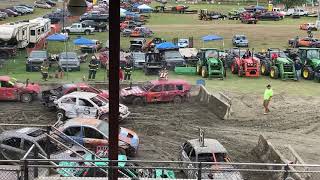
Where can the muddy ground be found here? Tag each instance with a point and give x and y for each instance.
(163, 128)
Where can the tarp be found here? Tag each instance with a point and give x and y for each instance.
(57, 37)
(212, 38)
(166, 45)
(144, 7)
(188, 52)
(83, 41)
(136, 5)
(122, 10)
(122, 14)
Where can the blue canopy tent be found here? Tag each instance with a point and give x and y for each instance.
(145, 8)
(213, 38)
(83, 41)
(57, 37)
(166, 45)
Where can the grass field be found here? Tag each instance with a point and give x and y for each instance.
(264, 35)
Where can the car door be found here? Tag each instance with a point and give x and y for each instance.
(86, 108)
(74, 133)
(93, 138)
(68, 104)
(188, 155)
(8, 91)
(169, 91)
(155, 93)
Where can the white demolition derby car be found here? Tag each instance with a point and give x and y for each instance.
(85, 105)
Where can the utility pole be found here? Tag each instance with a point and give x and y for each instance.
(114, 52)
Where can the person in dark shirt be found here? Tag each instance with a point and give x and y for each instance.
(298, 67)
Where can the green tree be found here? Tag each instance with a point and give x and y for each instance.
(291, 3)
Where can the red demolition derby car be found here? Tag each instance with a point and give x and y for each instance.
(12, 90)
(156, 91)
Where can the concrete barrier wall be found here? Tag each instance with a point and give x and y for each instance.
(267, 153)
(219, 103)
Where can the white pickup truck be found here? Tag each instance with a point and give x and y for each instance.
(78, 28)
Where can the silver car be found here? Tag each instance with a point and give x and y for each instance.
(86, 105)
(69, 61)
(207, 150)
(139, 59)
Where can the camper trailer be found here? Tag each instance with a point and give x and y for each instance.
(15, 34)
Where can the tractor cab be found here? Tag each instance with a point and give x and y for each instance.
(310, 58)
(153, 63)
(209, 64)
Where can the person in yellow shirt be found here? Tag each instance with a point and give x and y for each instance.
(268, 93)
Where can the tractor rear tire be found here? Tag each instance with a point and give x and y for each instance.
(234, 68)
(199, 69)
(204, 72)
(274, 72)
(265, 68)
(137, 101)
(241, 72)
(307, 73)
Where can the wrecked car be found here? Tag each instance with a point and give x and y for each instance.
(85, 105)
(156, 91)
(92, 133)
(49, 96)
(13, 90)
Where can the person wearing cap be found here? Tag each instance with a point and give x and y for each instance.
(93, 67)
(268, 93)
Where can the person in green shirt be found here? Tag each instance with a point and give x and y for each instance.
(268, 93)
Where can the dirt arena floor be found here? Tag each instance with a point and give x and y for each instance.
(163, 128)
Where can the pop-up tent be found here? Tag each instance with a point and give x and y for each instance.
(144, 8)
(57, 37)
(166, 45)
(213, 38)
(83, 41)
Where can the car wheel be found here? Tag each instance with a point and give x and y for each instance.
(100, 30)
(61, 115)
(87, 32)
(26, 98)
(104, 117)
(138, 101)
(177, 100)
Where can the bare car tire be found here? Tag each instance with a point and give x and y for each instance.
(61, 115)
(104, 117)
(26, 98)
(177, 100)
(137, 101)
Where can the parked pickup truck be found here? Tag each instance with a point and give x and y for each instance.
(79, 28)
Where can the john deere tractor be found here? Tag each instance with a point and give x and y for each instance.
(209, 64)
(310, 57)
(275, 63)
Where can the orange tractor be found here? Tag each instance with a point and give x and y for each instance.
(246, 65)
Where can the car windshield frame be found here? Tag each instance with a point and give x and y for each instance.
(69, 55)
(147, 85)
(313, 57)
(38, 54)
(172, 55)
(99, 101)
(103, 127)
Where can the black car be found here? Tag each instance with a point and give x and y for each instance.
(99, 26)
(269, 16)
(51, 3)
(10, 12)
(54, 17)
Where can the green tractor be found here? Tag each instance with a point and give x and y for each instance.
(276, 64)
(310, 57)
(209, 64)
